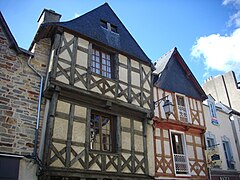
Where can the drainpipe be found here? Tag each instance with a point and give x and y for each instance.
(34, 155)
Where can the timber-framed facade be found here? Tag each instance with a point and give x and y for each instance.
(178, 137)
(99, 98)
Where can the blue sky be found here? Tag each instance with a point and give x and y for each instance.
(206, 32)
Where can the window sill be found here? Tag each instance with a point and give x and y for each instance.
(183, 175)
(101, 76)
(103, 152)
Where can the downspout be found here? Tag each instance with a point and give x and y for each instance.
(34, 155)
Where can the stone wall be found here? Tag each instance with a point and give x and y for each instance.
(19, 91)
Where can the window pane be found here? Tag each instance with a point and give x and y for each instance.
(101, 64)
(101, 132)
(104, 61)
(98, 65)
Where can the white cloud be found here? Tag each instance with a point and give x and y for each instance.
(221, 52)
(235, 18)
(234, 2)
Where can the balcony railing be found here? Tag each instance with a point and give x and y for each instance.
(181, 164)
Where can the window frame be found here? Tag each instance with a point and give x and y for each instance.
(212, 109)
(101, 69)
(184, 147)
(228, 152)
(212, 140)
(113, 135)
(186, 107)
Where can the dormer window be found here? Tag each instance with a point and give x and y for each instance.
(103, 24)
(108, 26)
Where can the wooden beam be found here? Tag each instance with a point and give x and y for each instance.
(56, 49)
(69, 135)
(129, 80)
(141, 84)
(50, 124)
(145, 146)
(116, 61)
(73, 61)
(119, 143)
(88, 80)
(132, 146)
(87, 138)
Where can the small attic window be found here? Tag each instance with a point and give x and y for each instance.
(108, 26)
(103, 24)
(113, 28)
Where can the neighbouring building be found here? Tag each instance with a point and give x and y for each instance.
(178, 134)
(222, 143)
(224, 88)
(19, 97)
(98, 99)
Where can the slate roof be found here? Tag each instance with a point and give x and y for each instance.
(173, 74)
(13, 43)
(88, 25)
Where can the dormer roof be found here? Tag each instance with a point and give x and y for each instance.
(90, 26)
(173, 74)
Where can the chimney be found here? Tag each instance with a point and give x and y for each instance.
(48, 15)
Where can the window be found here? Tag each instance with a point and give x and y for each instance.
(103, 24)
(182, 108)
(102, 132)
(212, 109)
(110, 27)
(228, 154)
(101, 63)
(210, 142)
(179, 153)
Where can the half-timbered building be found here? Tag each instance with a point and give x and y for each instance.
(98, 91)
(178, 134)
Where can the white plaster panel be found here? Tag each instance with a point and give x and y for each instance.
(80, 111)
(83, 43)
(65, 55)
(125, 122)
(165, 133)
(198, 140)
(199, 153)
(63, 107)
(63, 65)
(135, 78)
(123, 74)
(138, 125)
(68, 36)
(158, 146)
(158, 132)
(190, 151)
(82, 59)
(60, 128)
(167, 148)
(78, 134)
(189, 138)
(201, 119)
(62, 79)
(138, 142)
(134, 64)
(126, 141)
(146, 85)
(122, 59)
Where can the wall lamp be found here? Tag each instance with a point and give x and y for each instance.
(167, 106)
